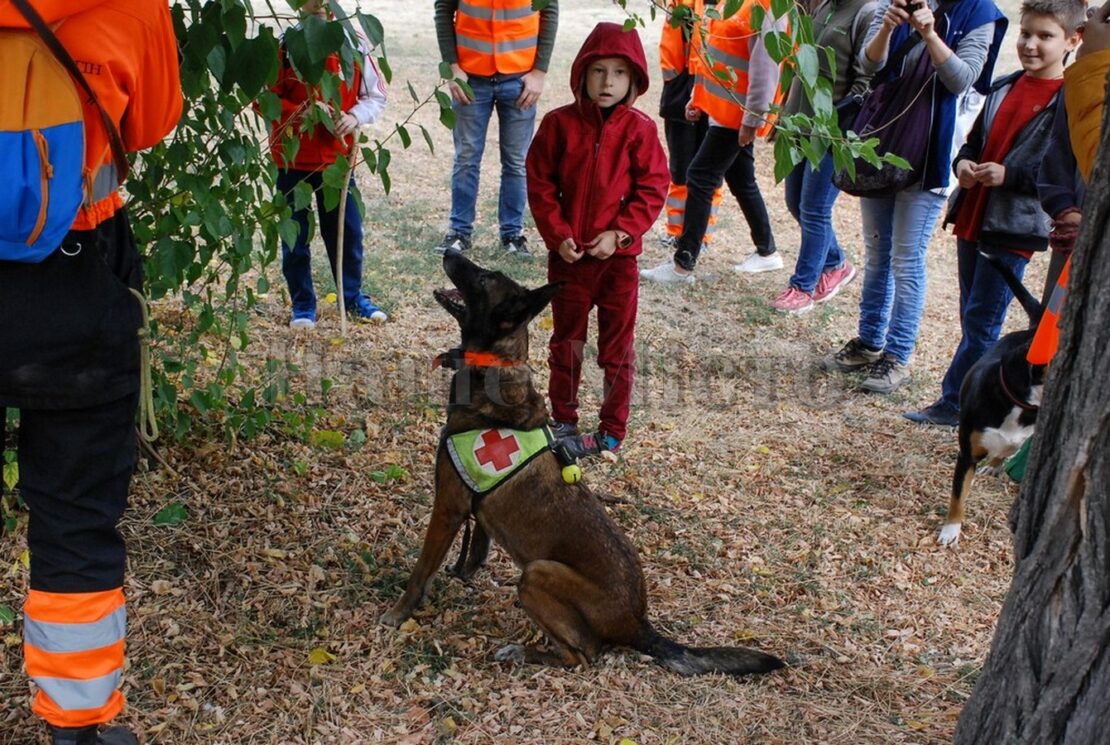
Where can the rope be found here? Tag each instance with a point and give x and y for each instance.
(148, 424)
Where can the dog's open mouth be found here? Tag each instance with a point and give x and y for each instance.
(450, 298)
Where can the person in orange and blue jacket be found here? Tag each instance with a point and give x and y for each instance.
(362, 102)
(69, 361)
(597, 178)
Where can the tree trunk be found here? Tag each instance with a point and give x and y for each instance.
(1047, 678)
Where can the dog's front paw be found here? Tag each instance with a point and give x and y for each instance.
(510, 653)
(989, 470)
(949, 534)
(393, 618)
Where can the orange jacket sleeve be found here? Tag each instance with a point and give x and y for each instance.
(1084, 97)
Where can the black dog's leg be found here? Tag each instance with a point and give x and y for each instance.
(961, 485)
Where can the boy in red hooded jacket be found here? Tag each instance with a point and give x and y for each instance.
(597, 180)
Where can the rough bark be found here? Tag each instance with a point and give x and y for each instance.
(1047, 678)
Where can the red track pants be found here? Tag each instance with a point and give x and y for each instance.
(612, 286)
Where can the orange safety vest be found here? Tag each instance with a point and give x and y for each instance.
(1047, 338)
(496, 36)
(729, 42)
(674, 47)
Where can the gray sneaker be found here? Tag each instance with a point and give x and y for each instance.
(886, 375)
(851, 357)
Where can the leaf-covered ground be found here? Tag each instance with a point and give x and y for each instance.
(773, 506)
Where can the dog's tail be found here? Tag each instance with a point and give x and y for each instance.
(699, 660)
(1031, 305)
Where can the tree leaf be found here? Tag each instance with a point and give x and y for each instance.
(321, 656)
(172, 514)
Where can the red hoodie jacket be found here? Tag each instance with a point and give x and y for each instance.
(587, 174)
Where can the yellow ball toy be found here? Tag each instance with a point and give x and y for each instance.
(572, 474)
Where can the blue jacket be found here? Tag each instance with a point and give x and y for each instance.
(962, 17)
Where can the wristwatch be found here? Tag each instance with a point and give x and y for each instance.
(624, 240)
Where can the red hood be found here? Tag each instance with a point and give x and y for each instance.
(610, 40)
(50, 10)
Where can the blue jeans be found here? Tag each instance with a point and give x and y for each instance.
(809, 197)
(896, 232)
(984, 298)
(296, 261)
(515, 128)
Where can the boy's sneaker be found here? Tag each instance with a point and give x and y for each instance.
(886, 375)
(939, 414)
(793, 301)
(757, 263)
(456, 241)
(831, 282)
(303, 319)
(364, 310)
(516, 245)
(598, 443)
(854, 355)
(668, 274)
(563, 430)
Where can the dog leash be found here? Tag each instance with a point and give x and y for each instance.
(1006, 389)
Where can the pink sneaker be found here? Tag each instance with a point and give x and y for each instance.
(793, 301)
(832, 281)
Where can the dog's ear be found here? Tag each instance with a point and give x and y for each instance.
(522, 309)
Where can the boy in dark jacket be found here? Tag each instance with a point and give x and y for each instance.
(996, 209)
(597, 179)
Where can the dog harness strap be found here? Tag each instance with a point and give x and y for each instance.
(1016, 401)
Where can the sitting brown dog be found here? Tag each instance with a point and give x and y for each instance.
(582, 582)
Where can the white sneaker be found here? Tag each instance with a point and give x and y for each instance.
(302, 323)
(758, 263)
(666, 273)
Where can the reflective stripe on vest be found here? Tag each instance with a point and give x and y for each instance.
(73, 646)
(496, 36)
(104, 182)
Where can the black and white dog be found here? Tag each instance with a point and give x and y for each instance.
(999, 400)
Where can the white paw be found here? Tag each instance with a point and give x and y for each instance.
(989, 470)
(949, 534)
(510, 653)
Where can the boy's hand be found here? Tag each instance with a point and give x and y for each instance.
(533, 87)
(569, 251)
(965, 172)
(746, 136)
(1096, 32)
(990, 174)
(603, 246)
(457, 93)
(346, 124)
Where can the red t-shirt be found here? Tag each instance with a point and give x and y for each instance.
(1027, 97)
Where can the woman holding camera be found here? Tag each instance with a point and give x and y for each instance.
(961, 40)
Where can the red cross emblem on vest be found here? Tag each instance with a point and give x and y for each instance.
(496, 449)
